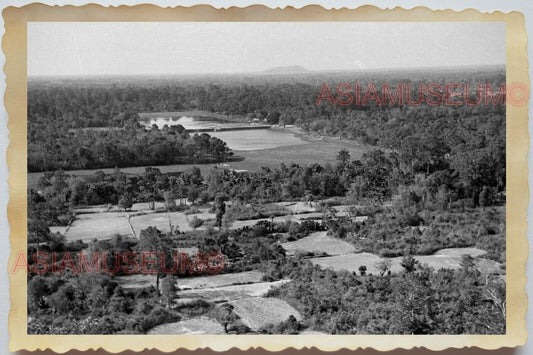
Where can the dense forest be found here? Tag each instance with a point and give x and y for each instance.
(426, 136)
(434, 179)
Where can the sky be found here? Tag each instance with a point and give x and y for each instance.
(139, 48)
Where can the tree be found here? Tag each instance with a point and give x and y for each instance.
(226, 316)
(37, 290)
(168, 290)
(409, 263)
(220, 209)
(193, 193)
(170, 203)
(485, 197)
(119, 303)
(152, 240)
(343, 158)
(196, 222)
(362, 270)
(125, 202)
(384, 266)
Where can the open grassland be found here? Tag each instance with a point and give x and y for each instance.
(443, 259)
(189, 326)
(258, 312)
(319, 242)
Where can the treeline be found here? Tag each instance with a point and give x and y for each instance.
(56, 148)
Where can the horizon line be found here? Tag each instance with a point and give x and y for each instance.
(267, 72)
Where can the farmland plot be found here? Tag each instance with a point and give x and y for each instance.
(136, 281)
(219, 280)
(91, 226)
(258, 312)
(445, 258)
(164, 220)
(319, 242)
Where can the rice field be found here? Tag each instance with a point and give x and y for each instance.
(258, 312)
(319, 242)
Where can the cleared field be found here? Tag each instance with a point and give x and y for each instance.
(319, 242)
(298, 207)
(91, 226)
(136, 281)
(220, 280)
(189, 326)
(257, 312)
(161, 221)
(445, 258)
(458, 252)
(314, 151)
(233, 292)
(349, 262)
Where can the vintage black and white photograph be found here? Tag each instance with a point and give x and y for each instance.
(266, 178)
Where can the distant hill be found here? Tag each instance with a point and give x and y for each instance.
(290, 69)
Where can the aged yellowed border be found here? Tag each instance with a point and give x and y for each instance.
(14, 47)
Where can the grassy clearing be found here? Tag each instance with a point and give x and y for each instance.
(446, 258)
(103, 225)
(220, 280)
(136, 281)
(322, 151)
(258, 312)
(189, 327)
(319, 242)
(161, 221)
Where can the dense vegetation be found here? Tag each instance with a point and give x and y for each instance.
(436, 179)
(417, 301)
